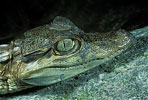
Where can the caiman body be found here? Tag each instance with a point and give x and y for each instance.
(55, 52)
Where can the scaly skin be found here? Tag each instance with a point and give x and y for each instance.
(55, 52)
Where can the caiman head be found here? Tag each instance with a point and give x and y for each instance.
(72, 52)
(68, 51)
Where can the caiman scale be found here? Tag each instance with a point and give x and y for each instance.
(54, 52)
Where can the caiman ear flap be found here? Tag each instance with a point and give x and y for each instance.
(61, 23)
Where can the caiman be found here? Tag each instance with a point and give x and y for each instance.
(54, 52)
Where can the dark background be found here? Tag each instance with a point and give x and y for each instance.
(17, 17)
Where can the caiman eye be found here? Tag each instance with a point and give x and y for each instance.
(66, 46)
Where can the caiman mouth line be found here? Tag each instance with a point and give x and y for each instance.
(101, 60)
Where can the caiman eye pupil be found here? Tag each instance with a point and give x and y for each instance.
(65, 45)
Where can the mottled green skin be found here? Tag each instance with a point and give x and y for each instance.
(55, 52)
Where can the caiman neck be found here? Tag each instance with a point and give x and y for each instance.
(9, 74)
